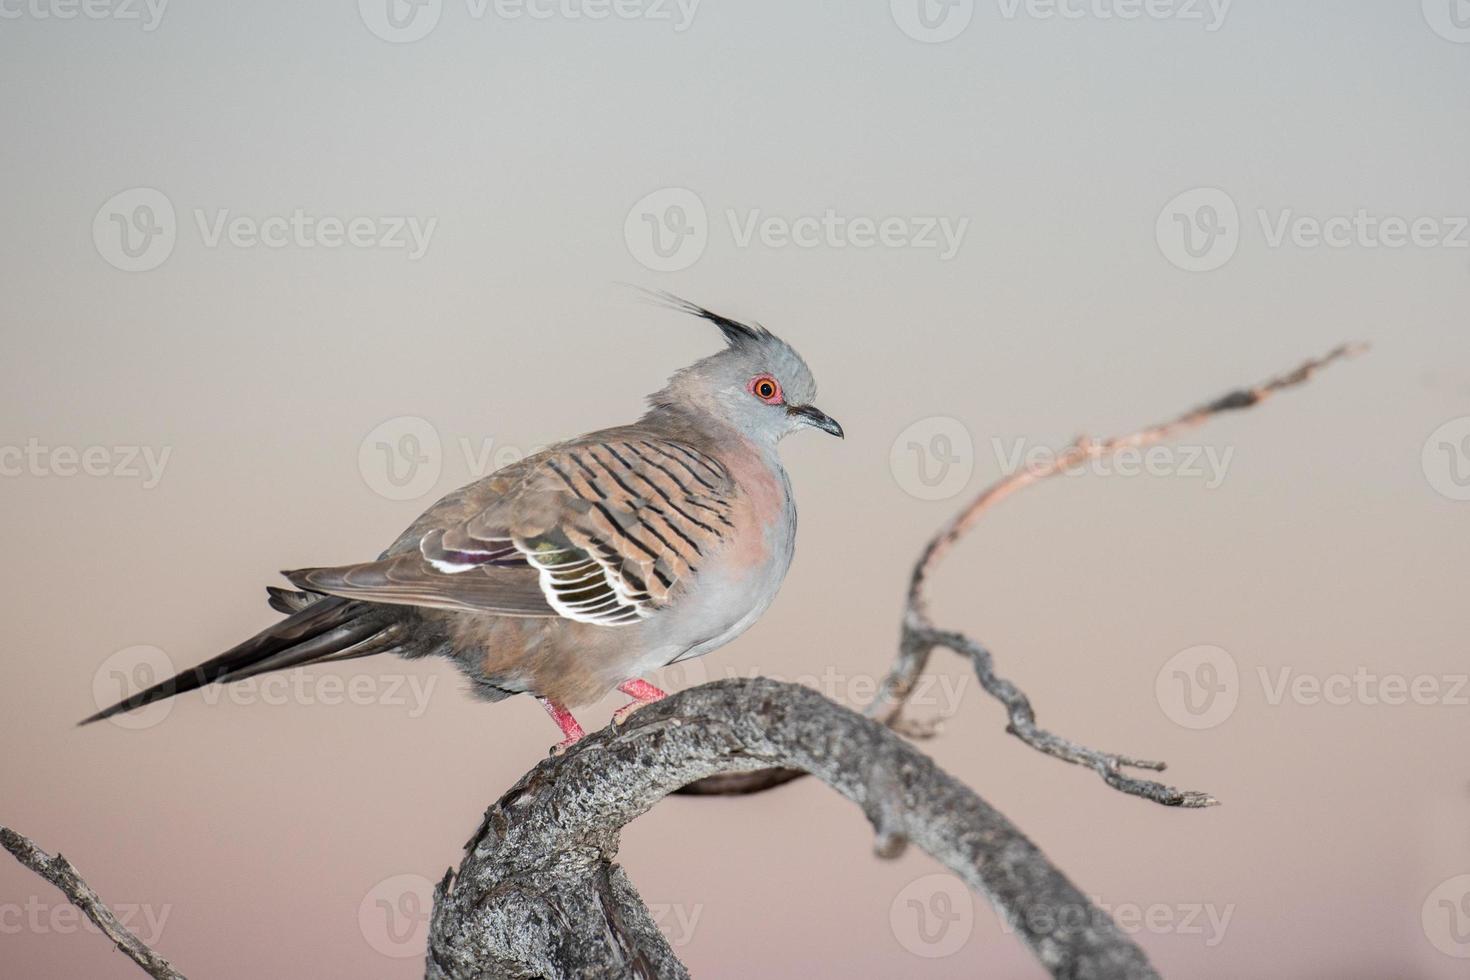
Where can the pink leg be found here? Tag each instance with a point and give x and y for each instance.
(641, 692)
(571, 731)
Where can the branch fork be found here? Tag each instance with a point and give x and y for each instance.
(538, 894)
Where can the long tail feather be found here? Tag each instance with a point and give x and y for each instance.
(318, 629)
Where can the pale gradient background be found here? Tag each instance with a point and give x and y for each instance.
(259, 828)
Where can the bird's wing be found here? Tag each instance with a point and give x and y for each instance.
(600, 531)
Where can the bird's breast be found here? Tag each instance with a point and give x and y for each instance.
(738, 585)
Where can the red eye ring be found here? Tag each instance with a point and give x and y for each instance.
(766, 388)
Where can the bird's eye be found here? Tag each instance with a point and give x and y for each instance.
(767, 389)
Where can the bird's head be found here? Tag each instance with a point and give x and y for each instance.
(758, 384)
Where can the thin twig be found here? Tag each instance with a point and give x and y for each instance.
(61, 873)
(919, 636)
(1022, 724)
(1085, 448)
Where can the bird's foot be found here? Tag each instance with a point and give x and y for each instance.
(625, 712)
(565, 722)
(642, 693)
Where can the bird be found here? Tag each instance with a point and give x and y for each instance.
(583, 567)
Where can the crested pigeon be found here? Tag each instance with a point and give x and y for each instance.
(583, 567)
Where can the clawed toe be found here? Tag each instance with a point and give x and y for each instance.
(625, 712)
(642, 693)
(560, 748)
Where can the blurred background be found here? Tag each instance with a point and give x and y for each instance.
(277, 275)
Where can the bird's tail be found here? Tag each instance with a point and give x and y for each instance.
(317, 629)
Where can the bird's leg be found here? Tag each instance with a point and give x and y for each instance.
(569, 728)
(641, 692)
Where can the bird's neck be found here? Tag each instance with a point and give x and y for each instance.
(711, 432)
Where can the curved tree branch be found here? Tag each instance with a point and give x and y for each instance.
(61, 873)
(919, 636)
(1085, 448)
(537, 894)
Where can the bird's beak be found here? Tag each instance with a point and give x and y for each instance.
(814, 416)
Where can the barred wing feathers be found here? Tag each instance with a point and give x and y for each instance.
(599, 531)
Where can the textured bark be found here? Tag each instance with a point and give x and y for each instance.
(538, 895)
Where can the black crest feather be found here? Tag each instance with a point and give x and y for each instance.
(735, 332)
